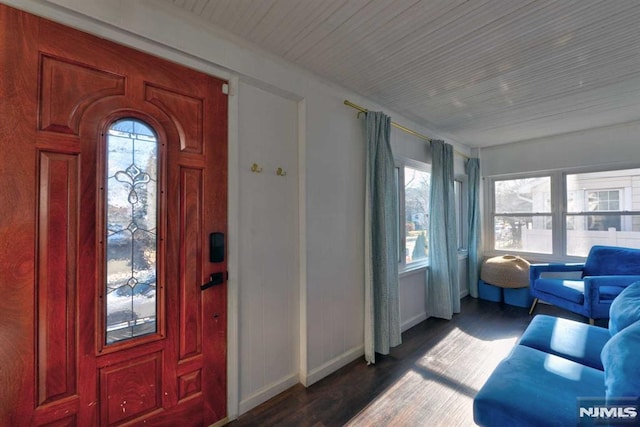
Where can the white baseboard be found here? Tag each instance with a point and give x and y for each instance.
(413, 321)
(267, 393)
(410, 323)
(332, 365)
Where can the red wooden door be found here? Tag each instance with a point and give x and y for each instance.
(114, 171)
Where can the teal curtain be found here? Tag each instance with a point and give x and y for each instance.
(443, 292)
(382, 305)
(473, 267)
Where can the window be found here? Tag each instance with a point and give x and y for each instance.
(413, 180)
(131, 230)
(565, 214)
(603, 208)
(522, 219)
(460, 205)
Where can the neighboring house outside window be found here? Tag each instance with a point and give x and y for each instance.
(608, 200)
(522, 219)
(603, 208)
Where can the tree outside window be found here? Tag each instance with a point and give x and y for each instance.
(416, 214)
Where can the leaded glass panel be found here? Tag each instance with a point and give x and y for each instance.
(131, 234)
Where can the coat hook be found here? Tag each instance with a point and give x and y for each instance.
(255, 168)
(280, 172)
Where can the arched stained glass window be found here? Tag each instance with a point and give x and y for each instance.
(131, 230)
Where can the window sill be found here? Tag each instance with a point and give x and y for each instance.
(535, 257)
(414, 268)
(421, 266)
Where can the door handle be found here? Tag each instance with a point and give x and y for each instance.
(214, 279)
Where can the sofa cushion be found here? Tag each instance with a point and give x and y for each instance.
(571, 290)
(533, 388)
(566, 338)
(612, 260)
(625, 308)
(622, 364)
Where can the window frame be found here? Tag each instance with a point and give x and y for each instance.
(461, 183)
(400, 164)
(490, 228)
(559, 211)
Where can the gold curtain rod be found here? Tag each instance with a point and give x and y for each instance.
(394, 124)
(399, 126)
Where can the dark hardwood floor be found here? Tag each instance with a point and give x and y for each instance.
(429, 380)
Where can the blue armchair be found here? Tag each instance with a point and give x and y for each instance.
(605, 273)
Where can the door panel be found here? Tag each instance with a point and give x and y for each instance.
(84, 85)
(191, 254)
(62, 89)
(56, 287)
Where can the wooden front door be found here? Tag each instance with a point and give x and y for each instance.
(114, 175)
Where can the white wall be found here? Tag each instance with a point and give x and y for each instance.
(611, 146)
(330, 192)
(268, 286)
(413, 294)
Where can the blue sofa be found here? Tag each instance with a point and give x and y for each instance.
(557, 361)
(605, 273)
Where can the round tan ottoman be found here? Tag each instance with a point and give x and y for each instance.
(509, 272)
(506, 271)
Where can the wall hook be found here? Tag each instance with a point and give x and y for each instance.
(255, 168)
(280, 172)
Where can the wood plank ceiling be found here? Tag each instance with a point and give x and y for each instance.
(481, 72)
